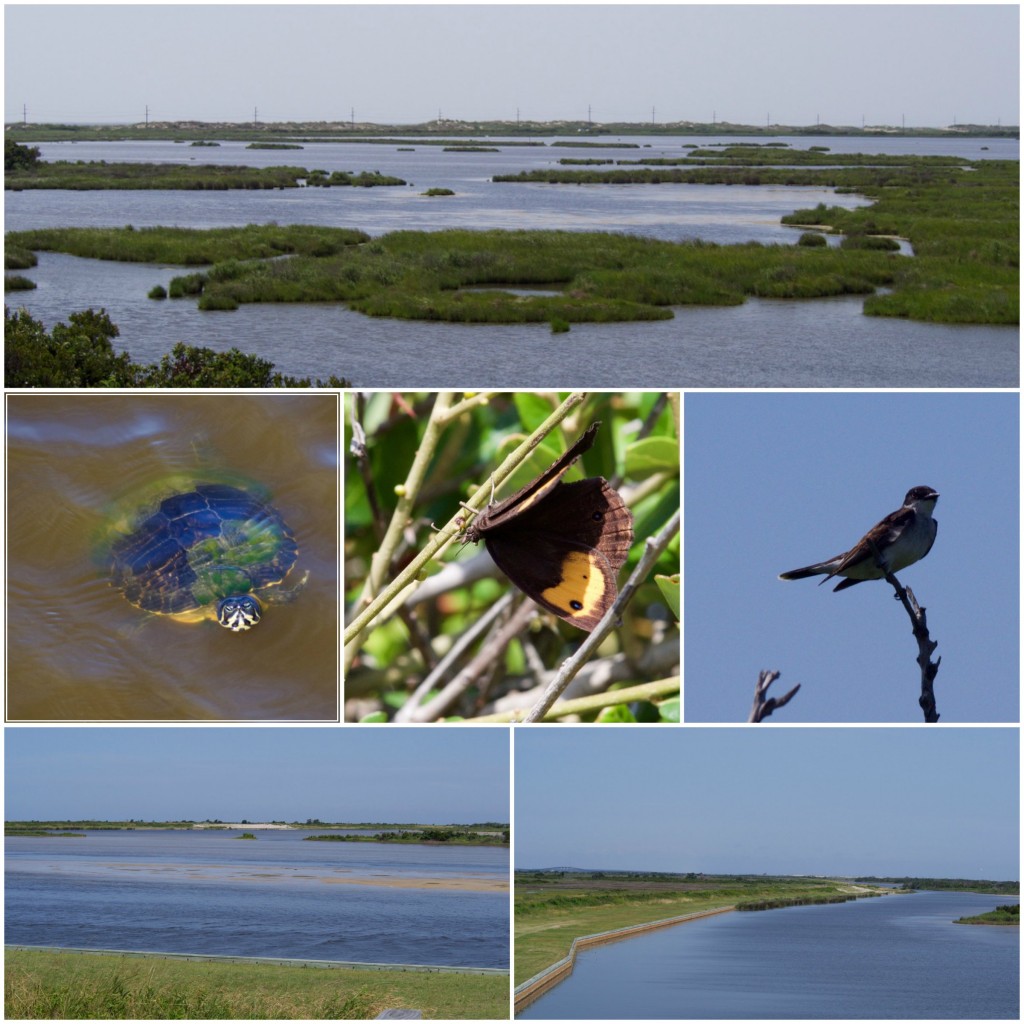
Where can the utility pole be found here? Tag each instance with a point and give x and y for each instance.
(24, 113)
(652, 115)
(147, 115)
(353, 115)
(255, 116)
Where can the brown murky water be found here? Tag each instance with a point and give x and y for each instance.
(76, 649)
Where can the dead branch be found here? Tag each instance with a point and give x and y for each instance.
(763, 704)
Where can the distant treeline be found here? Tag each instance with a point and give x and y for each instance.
(452, 836)
(337, 131)
(956, 884)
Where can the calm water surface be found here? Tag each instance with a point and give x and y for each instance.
(208, 892)
(759, 344)
(895, 957)
(76, 649)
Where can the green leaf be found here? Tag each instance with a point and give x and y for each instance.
(669, 587)
(618, 713)
(533, 410)
(652, 455)
(375, 717)
(669, 710)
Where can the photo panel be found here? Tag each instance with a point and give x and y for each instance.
(139, 525)
(242, 872)
(779, 486)
(748, 874)
(504, 551)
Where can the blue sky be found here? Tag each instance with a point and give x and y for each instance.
(774, 482)
(918, 801)
(931, 65)
(428, 775)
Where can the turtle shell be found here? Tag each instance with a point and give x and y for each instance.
(200, 547)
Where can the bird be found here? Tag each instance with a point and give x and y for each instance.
(900, 539)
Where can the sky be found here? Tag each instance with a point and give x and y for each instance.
(926, 802)
(428, 775)
(922, 65)
(778, 481)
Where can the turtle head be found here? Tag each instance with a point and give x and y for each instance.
(239, 613)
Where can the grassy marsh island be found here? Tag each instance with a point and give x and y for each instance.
(25, 170)
(961, 218)
(1005, 915)
(102, 175)
(460, 276)
(552, 908)
(53, 985)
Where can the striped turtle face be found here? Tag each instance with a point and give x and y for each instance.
(239, 613)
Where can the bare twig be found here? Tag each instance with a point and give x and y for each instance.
(661, 688)
(763, 704)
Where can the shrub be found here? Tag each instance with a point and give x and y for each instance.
(559, 326)
(158, 292)
(17, 283)
(81, 354)
(812, 239)
(77, 354)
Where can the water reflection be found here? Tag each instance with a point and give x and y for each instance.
(76, 649)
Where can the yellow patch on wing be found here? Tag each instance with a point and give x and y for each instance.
(580, 591)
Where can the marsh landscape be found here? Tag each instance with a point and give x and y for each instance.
(689, 252)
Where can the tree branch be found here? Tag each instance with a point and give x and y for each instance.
(763, 704)
(925, 645)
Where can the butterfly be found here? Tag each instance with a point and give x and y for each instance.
(562, 544)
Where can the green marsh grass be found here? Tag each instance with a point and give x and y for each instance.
(44, 985)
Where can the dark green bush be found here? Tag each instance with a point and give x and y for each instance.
(18, 283)
(81, 354)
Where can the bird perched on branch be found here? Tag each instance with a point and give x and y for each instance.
(900, 539)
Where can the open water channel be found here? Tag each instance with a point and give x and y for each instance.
(815, 343)
(895, 957)
(275, 896)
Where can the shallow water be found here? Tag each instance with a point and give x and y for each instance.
(208, 892)
(814, 343)
(76, 649)
(894, 957)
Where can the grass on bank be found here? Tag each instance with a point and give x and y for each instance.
(95, 175)
(44, 985)
(185, 247)
(1005, 915)
(551, 912)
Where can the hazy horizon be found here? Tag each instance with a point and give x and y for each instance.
(926, 66)
(774, 800)
(256, 774)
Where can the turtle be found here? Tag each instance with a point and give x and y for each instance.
(215, 551)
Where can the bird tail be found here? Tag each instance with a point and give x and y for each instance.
(802, 574)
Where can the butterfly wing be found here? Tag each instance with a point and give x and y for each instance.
(534, 492)
(565, 551)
